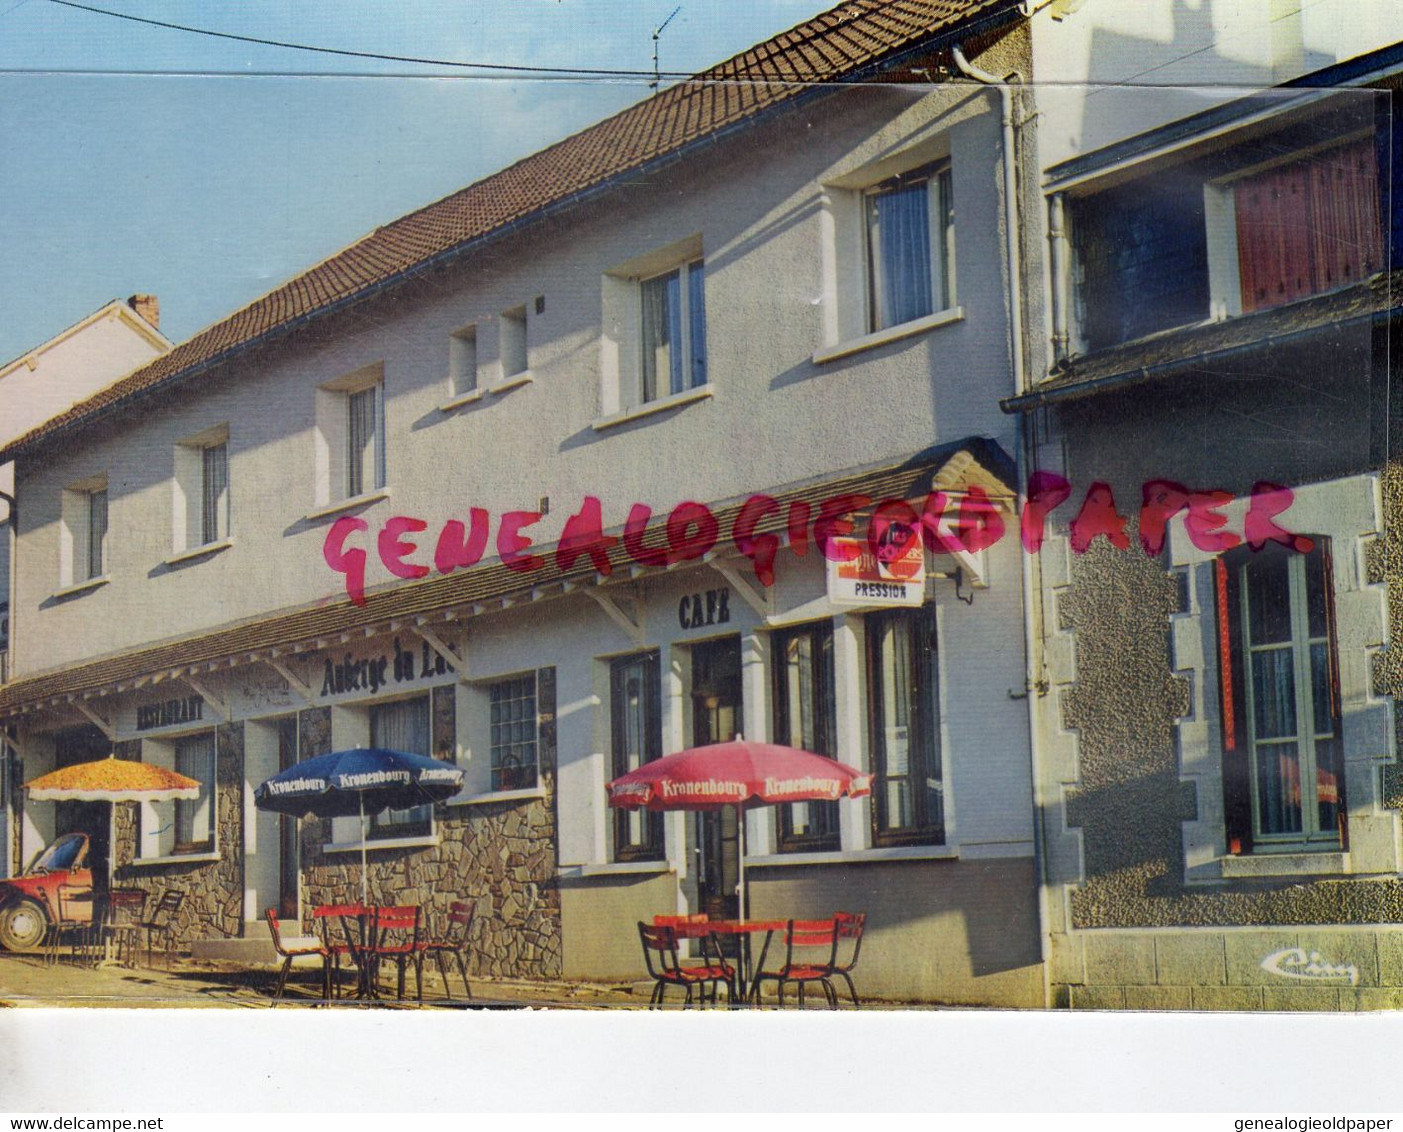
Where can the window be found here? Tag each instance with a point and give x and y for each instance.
(805, 717)
(97, 533)
(1283, 761)
(635, 699)
(350, 436)
(674, 331)
(910, 234)
(513, 744)
(462, 361)
(908, 805)
(402, 726)
(512, 342)
(83, 549)
(214, 493)
(184, 826)
(194, 820)
(1308, 226)
(365, 452)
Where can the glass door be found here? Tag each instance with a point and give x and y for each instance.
(716, 718)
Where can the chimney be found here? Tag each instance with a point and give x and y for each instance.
(148, 307)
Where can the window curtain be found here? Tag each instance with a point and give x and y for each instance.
(194, 824)
(97, 533)
(402, 726)
(216, 493)
(362, 456)
(898, 227)
(662, 334)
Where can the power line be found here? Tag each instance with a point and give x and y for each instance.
(368, 54)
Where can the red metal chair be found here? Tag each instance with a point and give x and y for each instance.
(394, 935)
(291, 950)
(666, 970)
(342, 931)
(455, 941)
(811, 949)
(850, 926)
(680, 921)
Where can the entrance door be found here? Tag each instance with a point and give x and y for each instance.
(289, 856)
(82, 745)
(716, 718)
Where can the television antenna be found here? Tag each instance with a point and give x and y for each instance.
(657, 33)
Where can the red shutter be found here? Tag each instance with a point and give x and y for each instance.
(1237, 784)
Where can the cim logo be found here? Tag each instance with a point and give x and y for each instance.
(1297, 963)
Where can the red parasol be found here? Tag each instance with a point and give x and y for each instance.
(739, 773)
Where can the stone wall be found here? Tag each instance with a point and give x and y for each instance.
(213, 890)
(500, 855)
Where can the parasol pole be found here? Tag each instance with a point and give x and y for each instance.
(740, 857)
(364, 833)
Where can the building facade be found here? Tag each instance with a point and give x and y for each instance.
(1214, 727)
(52, 377)
(551, 478)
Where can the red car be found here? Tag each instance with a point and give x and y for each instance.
(29, 903)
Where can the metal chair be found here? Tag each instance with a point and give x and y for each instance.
(342, 929)
(121, 926)
(455, 941)
(291, 950)
(71, 899)
(850, 926)
(811, 949)
(394, 935)
(162, 922)
(666, 970)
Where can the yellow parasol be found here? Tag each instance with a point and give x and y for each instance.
(112, 780)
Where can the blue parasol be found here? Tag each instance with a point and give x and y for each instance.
(362, 780)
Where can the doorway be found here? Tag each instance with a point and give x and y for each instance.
(81, 745)
(717, 718)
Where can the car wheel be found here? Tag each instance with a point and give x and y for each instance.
(22, 926)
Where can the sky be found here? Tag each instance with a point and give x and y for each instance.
(207, 171)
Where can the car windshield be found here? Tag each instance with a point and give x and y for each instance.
(62, 855)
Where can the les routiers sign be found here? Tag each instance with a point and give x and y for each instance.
(867, 579)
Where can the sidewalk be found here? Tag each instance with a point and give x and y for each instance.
(25, 981)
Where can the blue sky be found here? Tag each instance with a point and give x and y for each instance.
(207, 171)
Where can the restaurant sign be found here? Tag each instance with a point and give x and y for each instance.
(894, 575)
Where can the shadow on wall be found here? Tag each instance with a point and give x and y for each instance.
(1188, 57)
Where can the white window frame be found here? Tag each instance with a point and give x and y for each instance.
(333, 437)
(689, 321)
(513, 354)
(189, 520)
(622, 392)
(463, 362)
(1347, 512)
(76, 568)
(940, 232)
(157, 835)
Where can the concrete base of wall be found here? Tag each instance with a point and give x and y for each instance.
(1355, 967)
(255, 947)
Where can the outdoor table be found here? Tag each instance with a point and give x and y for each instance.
(743, 988)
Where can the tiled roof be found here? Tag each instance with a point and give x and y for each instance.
(492, 586)
(847, 42)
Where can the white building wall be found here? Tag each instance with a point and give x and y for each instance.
(1109, 70)
(775, 416)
